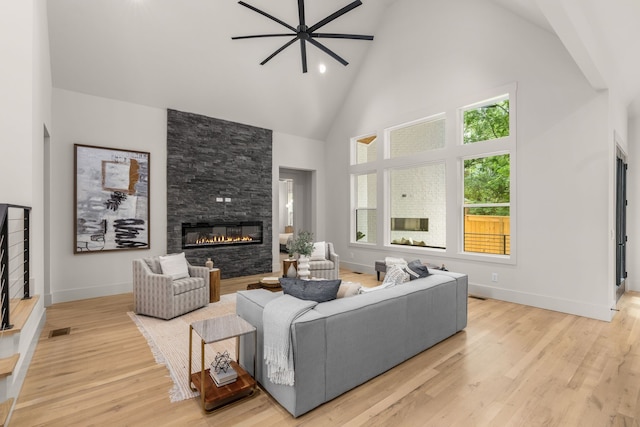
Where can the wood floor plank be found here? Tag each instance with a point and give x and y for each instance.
(512, 366)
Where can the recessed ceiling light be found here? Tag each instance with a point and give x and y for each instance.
(322, 68)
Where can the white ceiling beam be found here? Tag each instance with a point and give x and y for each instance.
(569, 22)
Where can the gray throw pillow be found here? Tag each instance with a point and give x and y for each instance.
(417, 270)
(311, 290)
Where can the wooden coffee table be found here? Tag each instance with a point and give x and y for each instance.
(210, 331)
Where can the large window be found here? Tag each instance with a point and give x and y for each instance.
(440, 186)
(486, 122)
(487, 195)
(417, 137)
(366, 208)
(417, 193)
(418, 206)
(366, 149)
(487, 180)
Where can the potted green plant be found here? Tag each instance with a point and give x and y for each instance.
(303, 246)
(289, 247)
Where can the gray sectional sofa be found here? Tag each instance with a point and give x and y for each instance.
(343, 343)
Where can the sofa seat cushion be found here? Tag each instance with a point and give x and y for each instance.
(321, 265)
(187, 284)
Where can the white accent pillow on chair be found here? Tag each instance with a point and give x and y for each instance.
(319, 251)
(175, 266)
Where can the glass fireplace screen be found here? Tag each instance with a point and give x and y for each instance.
(221, 234)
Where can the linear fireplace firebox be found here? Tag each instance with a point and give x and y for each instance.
(204, 234)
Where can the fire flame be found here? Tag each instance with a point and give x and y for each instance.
(222, 239)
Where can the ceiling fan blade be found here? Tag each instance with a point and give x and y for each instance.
(303, 54)
(341, 36)
(255, 9)
(335, 15)
(286, 45)
(256, 36)
(328, 52)
(301, 13)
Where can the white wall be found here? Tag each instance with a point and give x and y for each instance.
(16, 102)
(633, 209)
(25, 109)
(90, 120)
(297, 153)
(452, 54)
(283, 212)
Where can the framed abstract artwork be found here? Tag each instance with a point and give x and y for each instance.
(111, 199)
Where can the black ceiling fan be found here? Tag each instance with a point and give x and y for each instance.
(305, 33)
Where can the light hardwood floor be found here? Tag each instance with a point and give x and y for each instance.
(512, 366)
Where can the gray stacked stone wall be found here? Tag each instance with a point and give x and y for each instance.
(208, 159)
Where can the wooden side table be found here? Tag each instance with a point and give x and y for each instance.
(285, 266)
(214, 285)
(210, 331)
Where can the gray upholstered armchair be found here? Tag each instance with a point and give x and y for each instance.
(158, 295)
(327, 268)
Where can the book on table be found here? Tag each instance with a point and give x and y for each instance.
(221, 377)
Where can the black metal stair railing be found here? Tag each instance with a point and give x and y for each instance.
(14, 258)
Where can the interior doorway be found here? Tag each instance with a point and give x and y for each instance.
(621, 224)
(295, 200)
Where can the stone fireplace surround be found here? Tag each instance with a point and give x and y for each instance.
(219, 171)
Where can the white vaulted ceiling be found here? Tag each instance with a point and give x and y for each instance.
(179, 53)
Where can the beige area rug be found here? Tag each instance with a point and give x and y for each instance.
(169, 342)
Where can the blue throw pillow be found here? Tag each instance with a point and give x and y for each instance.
(417, 270)
(311, 290)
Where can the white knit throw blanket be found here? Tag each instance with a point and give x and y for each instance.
(277, 317)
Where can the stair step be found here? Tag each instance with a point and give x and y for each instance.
(5, 408)
(20, 310)
(8, 364)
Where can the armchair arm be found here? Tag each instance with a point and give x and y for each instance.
(203, 272)
(146, 283)
(332, 255)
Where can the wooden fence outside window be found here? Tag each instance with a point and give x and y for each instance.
(487, 234)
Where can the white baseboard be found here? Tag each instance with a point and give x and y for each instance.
(94, 292)
(633, 285)
(534, 300)
(562, 305)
